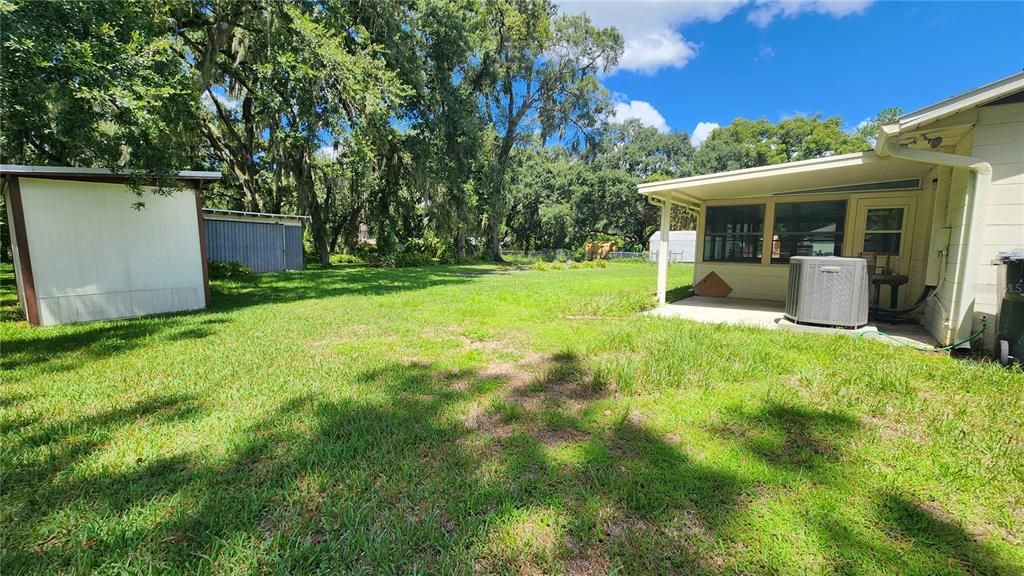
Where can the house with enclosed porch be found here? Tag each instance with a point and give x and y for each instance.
(938, 198)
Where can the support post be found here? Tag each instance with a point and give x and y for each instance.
(666, 221)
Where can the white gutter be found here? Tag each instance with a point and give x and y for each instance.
(957, 325)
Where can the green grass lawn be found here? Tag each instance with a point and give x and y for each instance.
(485, 420)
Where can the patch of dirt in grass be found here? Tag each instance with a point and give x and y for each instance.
(512, 374)
(891, 430)
(546, 394)
(551, 436)
(478, 418)
(587, 563)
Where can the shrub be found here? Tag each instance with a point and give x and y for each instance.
(345, 259)
(399, 260)
(218, 269)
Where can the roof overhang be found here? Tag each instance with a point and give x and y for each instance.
(860, 170)
(235, 215)
(96, 174)
(949, 119)
(971, 99)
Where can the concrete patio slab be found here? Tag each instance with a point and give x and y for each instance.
(768, 314)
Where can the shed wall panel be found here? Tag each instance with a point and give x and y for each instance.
(96, 257)
(262, 246)
(293, 247)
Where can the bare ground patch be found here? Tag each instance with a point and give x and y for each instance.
(542, 397)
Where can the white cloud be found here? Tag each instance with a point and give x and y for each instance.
(643, 111)
(652, 52)
(701, 132)
(765, 11)
(765, 52)
(650, 29)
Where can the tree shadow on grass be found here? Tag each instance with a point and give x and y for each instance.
(932, 533)
(791, 437)
(319, 283)
(38, 467)
(393, 482)
(515, 469)
(903, 537)
(68, 347)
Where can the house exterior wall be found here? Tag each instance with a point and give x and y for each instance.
(267, 246)
(767, 281)
(998, 138)
(95, 257)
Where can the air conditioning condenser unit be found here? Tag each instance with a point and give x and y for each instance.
(828, 290)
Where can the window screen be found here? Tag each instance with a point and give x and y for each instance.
(808, 229)
(734, 233)
(883, 231)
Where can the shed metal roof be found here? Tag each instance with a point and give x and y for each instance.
(75, 173)
(252, 215)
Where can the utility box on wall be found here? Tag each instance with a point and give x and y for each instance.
(263, 242)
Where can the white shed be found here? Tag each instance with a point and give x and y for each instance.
(83, 252)
(682, 245)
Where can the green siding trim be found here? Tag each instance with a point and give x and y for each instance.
(912, 184)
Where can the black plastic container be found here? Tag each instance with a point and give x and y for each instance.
(1010, 333)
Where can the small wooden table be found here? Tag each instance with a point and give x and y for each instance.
(893, 281)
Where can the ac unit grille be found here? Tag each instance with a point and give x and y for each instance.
(828, 290)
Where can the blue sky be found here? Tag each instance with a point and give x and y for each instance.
(688, 63)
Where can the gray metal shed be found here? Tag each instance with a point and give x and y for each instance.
(263, 242)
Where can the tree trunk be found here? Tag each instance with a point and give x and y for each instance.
(494, 239)
(303, 171)
(460, 229)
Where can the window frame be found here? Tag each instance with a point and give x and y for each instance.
(771, 234)
(705, 235)
(852, 234)
(900, 232)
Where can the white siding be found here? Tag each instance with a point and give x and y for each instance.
(755, 281)
(998, 137)
(95, 257)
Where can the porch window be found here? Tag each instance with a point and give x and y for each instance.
(883, 231)
(808, 229)
(734, 233)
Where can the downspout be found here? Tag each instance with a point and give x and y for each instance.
(974, 220)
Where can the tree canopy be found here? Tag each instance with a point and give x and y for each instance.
(465, 125)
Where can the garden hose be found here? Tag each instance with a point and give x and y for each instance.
(925, 348)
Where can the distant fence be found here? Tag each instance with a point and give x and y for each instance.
(679, 257)
(627, 255)
(546, 255)
(562, 255)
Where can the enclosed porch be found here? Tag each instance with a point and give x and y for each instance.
(751, 222)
